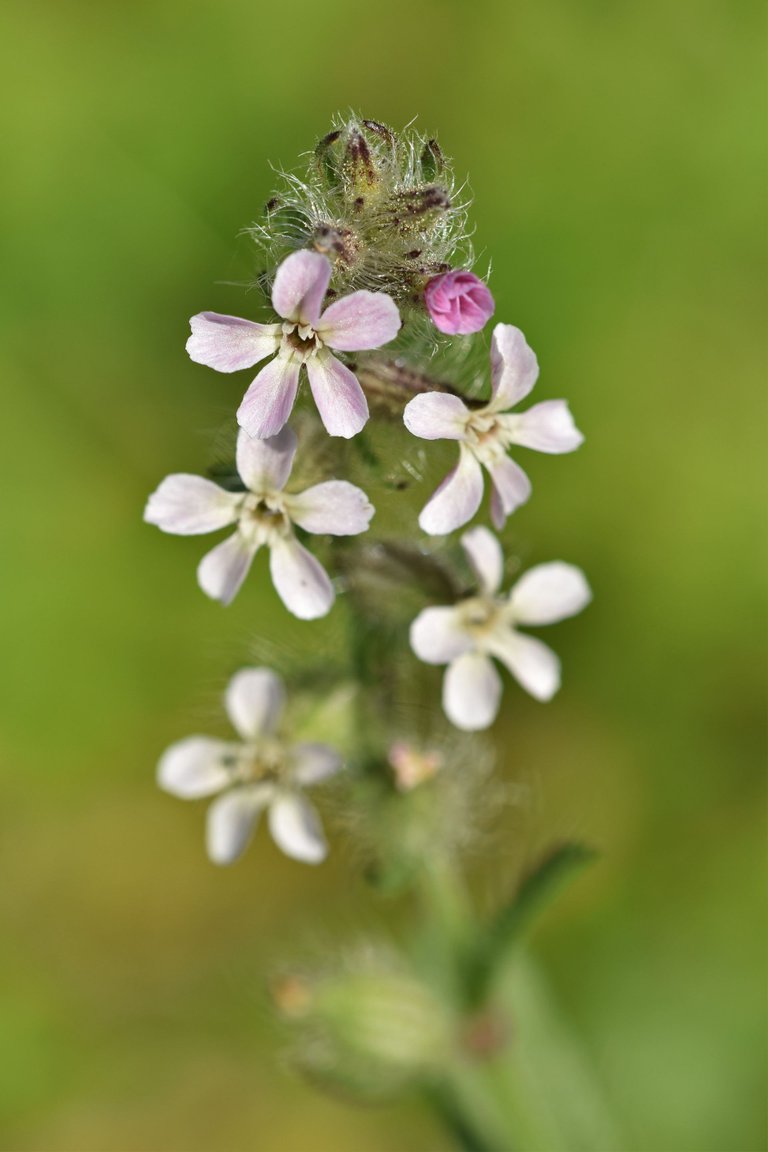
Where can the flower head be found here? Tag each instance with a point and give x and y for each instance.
(459, 302)
(259, 771)
(484, 435)
(264, 514)
(360, 321)
(467, 635)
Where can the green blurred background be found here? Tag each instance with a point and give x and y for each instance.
(616, 153)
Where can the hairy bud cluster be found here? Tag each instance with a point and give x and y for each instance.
(382, 206)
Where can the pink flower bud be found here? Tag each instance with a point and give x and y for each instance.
(459, 302)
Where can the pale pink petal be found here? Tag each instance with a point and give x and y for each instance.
(458, 302)
(514, 367)
(362, 320)
(532, 663)
(300, 285)
(265, 465)
(438, 636)
(547, 427)
(254, 702)
(457, 498)
(471, 692)
(231, 821)
(313, 763)
(511, 488)
(340, 399)
(228, 343)
(300, 580)
(548, 593)
(436, 416)
(222, 570)
(190, 505)
(268, 402)
(335, 507)
(296, 828)
(484, 554)
(197, 766)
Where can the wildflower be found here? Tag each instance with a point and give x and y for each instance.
(260, 771)
(411, 766)
(360, 321)
(459, 302)
(467, 635)
(484, 435)
(264, 514)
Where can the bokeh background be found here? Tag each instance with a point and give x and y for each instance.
(616, 153)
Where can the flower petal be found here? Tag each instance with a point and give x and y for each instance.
(265, 465)
(228, 343)
(189, 505)
(361, 320)
(548, 593)
(456, 500)
(437, 635)
(300, 580)
(195, 767)
(313, 763)
(547, 427)
(222, 570)
(296, 828)
(254, 702)
(300, 285)
(471, 692)
(436, 416)
(514, 368)
(231, 821)
(340, 399)
(511, 486)
(336, 507)
(532, 663)
(268, 402)
(484, 554)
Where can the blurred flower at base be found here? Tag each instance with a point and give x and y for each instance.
(367, 1030)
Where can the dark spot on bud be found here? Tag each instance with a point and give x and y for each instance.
(359, 202)
(380, 130)
(326, 141)
(358, 159)
(272, 205)
(413, 254)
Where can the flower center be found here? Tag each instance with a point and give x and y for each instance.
(301, 340)
(263, 762)
(487, 436)
(480, 615)
(263, 518)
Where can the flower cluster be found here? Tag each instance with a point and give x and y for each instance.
(390, 233)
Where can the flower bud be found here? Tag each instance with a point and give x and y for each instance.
(371, 1030)
(459, 303)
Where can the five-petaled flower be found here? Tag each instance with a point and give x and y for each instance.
(467, 635)
(264, 514)
(459, 302)
(260, 771)
(363, 320)
(485, 434)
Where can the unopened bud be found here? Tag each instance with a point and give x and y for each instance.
(373, 1031)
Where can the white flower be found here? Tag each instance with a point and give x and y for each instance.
(265, 514)
(260, 771)
(467, 635)
(485, 434)
(360, 321)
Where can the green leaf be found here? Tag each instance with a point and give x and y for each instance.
(535, 893)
